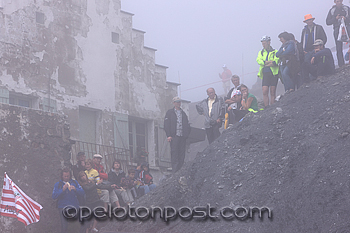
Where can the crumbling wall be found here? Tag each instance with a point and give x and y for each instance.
(34, 146)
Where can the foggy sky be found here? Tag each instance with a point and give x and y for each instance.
(194, 38)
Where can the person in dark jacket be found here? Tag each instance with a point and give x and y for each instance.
(177, 130)
(92, 200)
(115, 176)
(289, 59)
(213, 109)
(334, 17)
(310, 33)
(322, 62)
(80, 166)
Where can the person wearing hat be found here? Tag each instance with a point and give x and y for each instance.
(268, 70)
(225, 78)
(310, 33)
(322, 62)
(335, 15)
(177, 129)
(97, 158)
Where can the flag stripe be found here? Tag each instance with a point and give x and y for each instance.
(15, 203)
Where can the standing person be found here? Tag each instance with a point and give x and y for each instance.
(268, 70)
(225, 78)
(67, 192)
(289, 59)
(80, 166)
(92, 199)
(334, 17)
(321, 63)
(213, 109)
(177, 129)
(309, 34)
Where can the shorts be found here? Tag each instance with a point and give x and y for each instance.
(108, 196)
(269, 79)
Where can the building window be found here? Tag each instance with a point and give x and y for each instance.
(115, 37)
(49, 105)
(137, 138)
(4, 96)
(21, 100)
(40, 17)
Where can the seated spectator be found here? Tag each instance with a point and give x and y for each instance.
(80, 166)
(66, 192)
(115, 176)
(107, 193)
(233, 111)
(129, 184)
(322, 62)
(92, 199)
(146, 178)
(99, 167)
(288, 54)
(249, 101)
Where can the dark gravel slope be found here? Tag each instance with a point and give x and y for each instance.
(293, 157)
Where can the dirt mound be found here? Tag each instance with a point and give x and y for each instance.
(292, 158)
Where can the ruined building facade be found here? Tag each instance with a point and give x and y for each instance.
(83, 59)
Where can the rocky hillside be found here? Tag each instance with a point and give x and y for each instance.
(293, 157)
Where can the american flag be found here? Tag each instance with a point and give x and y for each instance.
(15, 203)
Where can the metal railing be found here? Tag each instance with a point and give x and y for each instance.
(109, 154)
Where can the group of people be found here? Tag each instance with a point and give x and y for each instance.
(93, 187)
(218, 111)
(301, 62)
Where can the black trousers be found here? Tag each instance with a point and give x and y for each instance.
(213, 132)
(177, 151)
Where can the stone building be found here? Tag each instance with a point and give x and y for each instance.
(83, 59)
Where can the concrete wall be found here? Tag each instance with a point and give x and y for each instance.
(62, 52)
(34, 146)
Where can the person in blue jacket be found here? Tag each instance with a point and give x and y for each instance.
(289, 59)
(322, 62)
(67, 192)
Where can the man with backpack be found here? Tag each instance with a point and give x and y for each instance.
(67, 192)
(336, 14)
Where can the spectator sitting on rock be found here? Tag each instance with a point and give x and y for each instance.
(146, 178)
(107, 194)
(129, 184)
(234, 106)
(99, 167)
(92, 199)
(80, 166)
(115, 176)
(322, 62)
(249, 101)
